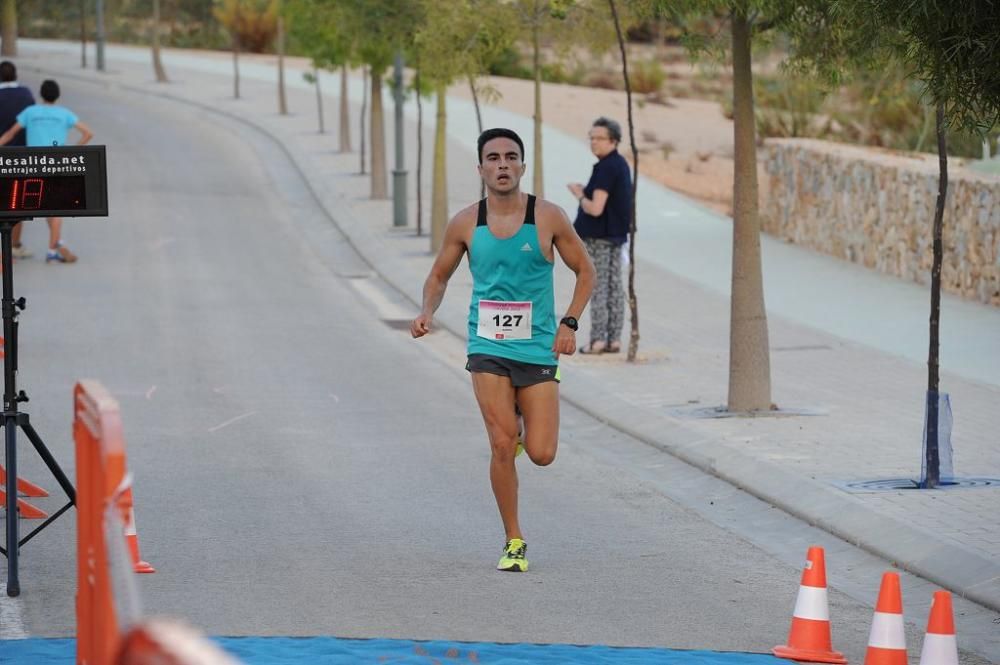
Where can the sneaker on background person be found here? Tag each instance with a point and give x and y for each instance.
(60, 254)
(19, 251)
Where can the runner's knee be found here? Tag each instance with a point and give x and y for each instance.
(543, 458)
(542, 453)
(503, 443)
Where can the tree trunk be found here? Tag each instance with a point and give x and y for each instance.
(420, 150)
(380, 178)
(933, 459)
(161, 74)
(479, 124)
(345, 113)
(364, 112)
(282, 100)
(83, 34)
(439, 197)
(9, 34)
(236, 65)
(633, 303)
(319, 101)
(749, 354)
(538, 180)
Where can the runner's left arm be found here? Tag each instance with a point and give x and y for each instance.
(573, 253)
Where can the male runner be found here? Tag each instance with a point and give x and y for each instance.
(514, 336)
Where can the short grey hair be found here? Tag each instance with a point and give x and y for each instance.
(614, 129)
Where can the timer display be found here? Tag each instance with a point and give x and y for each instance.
(56, 181)
(31, 194)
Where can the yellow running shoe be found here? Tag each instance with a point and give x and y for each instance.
(513, 556)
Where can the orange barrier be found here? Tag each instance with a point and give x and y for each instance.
(107, 543)
(940, 643)
(103, 498)
(887, 639)
(168, 642)
(809, 638)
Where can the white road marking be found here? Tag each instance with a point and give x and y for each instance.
(149, 393)
(230, 421)
(11, 619)
(335, 398)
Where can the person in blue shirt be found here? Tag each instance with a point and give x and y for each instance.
(14, 98)
(603, 221)
(515, 335)
(48, 124)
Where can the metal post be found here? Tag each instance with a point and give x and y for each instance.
(99, 39)
(399, 173)
(10, 408)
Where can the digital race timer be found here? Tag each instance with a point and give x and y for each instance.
(68, 181)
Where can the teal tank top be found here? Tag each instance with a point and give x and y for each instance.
(512, 313)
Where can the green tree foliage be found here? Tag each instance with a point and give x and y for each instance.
(317, 29)
(952, 51)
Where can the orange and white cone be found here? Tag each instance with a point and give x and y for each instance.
(131, 537)
(24, 487)
(887, 639)
(809, 639)
(940, 643)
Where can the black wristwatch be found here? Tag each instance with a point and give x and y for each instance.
(570, 323)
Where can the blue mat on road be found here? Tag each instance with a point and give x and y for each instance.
(332, 650)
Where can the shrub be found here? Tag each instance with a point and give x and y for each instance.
(646, 76)
(508, 63)
(254, 22)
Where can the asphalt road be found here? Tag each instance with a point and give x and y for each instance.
(304, 468)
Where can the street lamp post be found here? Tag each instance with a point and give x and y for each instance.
(99, 38)
(399, 173)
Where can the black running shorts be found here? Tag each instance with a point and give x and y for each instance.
(520, 374)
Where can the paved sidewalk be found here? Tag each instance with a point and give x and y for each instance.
(848, 345)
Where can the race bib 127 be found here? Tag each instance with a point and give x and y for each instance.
(504, 320)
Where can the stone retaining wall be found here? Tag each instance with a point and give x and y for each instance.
(876, 208)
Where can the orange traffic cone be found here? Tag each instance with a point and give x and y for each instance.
(809, 638)
(24, 487)
(131, 537)
(887, 639)
(25, 509)
(940, 643)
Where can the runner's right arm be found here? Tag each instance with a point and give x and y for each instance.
(452, 248)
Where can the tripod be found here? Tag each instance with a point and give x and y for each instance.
(12, 418)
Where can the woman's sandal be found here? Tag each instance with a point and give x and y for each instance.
(589, 350)
(613, 348)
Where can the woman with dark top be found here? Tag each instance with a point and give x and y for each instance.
(603, 222)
